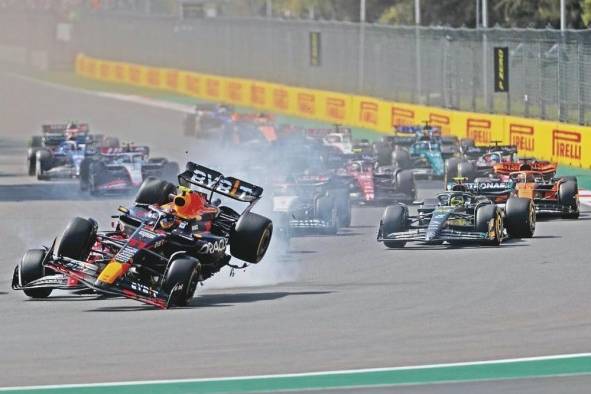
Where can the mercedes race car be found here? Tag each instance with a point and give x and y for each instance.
(123, 169)
(171, 239)
(457, 217)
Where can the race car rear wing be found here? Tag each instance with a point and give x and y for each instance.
(216, 182)
(62, 127)
(544, 167)
(106, 151)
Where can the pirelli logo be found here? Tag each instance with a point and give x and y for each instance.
(441, 121)
(280, 99)
(90, 67)
(368, 112)
(479, 130)
(566, 144)
(104, 70)
(192, 84)
(135, 74)
(172, 79)
(335, 108)
(522, 136)
(401, 116)
(234, 91)
(306, 103)
(257, 94)
(119, 72)
(212, 87)
(153, 77)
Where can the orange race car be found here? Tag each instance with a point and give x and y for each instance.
(546, 168)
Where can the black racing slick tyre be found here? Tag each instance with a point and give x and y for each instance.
(567, 197)
(451, 169)
(466, 169)
(170, 171)
(520, 217)
(31, 268)
(78, 239)
(405, 182)
(85, 174)
(180, 280)
(383, 153)
(327, 210)
(42, 163)
(155, 191)
(484, 215)
(343, 203)
(250, 238)
(395, 219)
(401, 159)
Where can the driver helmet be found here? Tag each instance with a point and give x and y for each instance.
(71, 130)
(456, 201)
(189, 204)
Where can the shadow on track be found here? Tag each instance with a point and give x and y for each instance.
(215, 300)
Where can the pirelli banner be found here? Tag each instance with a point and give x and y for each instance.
(564, 143)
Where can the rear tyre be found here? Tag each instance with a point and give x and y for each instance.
(327, 210)
(78, 239)
(180, 279)
(155, 191)
(384, 154)
(466, 169)
(250, 238)
(451, 170)
(31, 268)
(484, 215)
(395, 219)
(401, 159)
(170, 171)
(567, 197)
(85, 174)
(343, 203)
(406, 183)
(520, 217)
(42, 159)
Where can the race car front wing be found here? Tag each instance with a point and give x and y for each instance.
(420, 235)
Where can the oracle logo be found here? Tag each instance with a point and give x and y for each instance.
(335, 108)
(368, 112)
(522, 136)
(401, 116)
(479, 130)
(566, 144)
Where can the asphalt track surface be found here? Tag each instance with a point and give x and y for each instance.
(338, 302)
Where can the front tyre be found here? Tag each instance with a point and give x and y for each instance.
(78, 239)
(180, 280)
(31, 268)
(567, 197)
(394, 220)
(520, 217)
(489, 219)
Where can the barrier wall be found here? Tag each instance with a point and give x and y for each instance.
(564, 143)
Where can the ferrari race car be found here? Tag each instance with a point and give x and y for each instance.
(457, 217)
(380, 184)
(311, 204)
(171, 239)
(123, 169)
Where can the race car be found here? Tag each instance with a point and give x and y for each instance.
(546, 168)
(379, 184)
(457, 217)
(479, 161)
(168, 241)
(207, 118)
(311, 204)
(424, 158)
(337, 136)
(249, 129)
(123, 169)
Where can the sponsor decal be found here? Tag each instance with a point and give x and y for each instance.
(104, 70)
(280, 99)
(234, 91)
(479, 130)
(214, 247)
(212, 87)
(257, 94)
(153, 77)
(492, 185)
(368, 112)
(335, 108)
(306, 103)
(522, 136)
(401, 116)
(135, 73)
(140, 288)
(147, 234)
(192, 84)
(126, 254)
(315, 48)
(119, 72)
(501, 59)
(566, 144)
(441, 121)
(172, 79)
(225, 186)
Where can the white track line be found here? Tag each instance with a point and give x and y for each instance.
(305, 374)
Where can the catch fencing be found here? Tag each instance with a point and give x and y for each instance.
(549, 71)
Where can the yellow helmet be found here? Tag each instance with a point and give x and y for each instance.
(456, 201)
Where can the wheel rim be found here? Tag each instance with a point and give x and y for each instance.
(263, 244)
(532, 218)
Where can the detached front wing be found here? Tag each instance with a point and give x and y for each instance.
(420, 235)
(87, 274)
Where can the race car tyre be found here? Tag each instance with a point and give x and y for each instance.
(395, 219)
(155, 191)
(180, 279)
(78, 239)
(569, 178)
(327, 210)
(171, 171)
(401, 159)
(567, 197)
(405, 181)
(451, 170)
(36, 141)
(466, 143)
(97, 175)
(110, 142)
(85, 174)
(484, 215)
(31, 165)
(520, 217)
(250, 238)
(466, 169)
(343, 203)
(31, 268)
(42, 159)
(383, 153)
